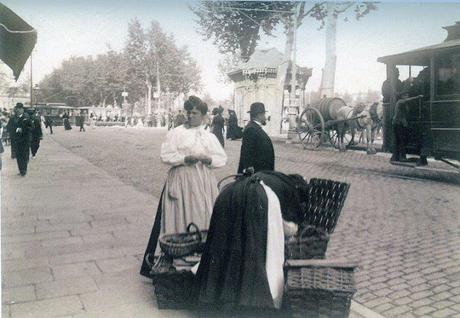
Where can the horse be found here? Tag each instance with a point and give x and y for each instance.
(369, 121)
(365, 118)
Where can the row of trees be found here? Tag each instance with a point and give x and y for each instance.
(150, 64)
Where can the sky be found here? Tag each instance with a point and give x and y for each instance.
(89, 27)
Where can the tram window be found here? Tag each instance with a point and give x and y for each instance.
(448, 75)
(54, 112)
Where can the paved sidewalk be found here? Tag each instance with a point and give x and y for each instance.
(72, 239)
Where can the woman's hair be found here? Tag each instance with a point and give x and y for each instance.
(196, 102)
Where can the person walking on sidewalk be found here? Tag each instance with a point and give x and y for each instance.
(20, 127)
(217, 125)
(66, 118)
(49, 124)
(256, 148)
(82, 121)
(36, 132)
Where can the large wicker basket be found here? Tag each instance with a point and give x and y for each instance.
(319, 288)
(325, 202)
(309, 243)
(183, 244)
(174, 287)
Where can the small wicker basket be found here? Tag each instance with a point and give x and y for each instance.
(319, 288)
(183, 244)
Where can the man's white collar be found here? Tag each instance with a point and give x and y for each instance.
(258, 123)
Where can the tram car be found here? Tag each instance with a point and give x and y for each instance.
(434, 119)
(55, 111)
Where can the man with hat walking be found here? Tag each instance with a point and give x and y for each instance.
(257, 148)
(20, 128)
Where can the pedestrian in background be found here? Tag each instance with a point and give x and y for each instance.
(233, 130)
(180, 119)
(36, 132)
(217, 125)
(49, 124)
(11, 133)
(92, 121)
(82, 121)
(256, 148)
(20, 127)
(66, 117)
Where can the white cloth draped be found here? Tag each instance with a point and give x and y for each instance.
(275, 247)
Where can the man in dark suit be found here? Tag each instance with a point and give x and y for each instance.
(20, 127)
(256, 148)
(36, 132)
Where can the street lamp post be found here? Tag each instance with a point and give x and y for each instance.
(125, 105)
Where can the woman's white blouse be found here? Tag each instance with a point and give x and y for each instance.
(181, 142)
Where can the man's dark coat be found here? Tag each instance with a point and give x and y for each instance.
(36, 133)
(256, 149)
(21, 140)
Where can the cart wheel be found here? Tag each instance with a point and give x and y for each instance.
(334, 138)
(310, 128)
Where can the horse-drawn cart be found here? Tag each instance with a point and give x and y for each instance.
(331, 120)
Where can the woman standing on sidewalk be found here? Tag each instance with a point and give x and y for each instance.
(191, 187)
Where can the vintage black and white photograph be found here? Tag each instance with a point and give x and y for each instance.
(206, 159)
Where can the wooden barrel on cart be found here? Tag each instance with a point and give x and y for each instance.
(329, 107)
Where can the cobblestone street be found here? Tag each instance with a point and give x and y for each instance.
(74, 230)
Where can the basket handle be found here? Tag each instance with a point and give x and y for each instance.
(197, 230)
(227, 177)
(147, 260)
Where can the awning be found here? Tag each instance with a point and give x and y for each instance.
(17, 40)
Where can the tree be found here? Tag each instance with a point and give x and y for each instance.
(148, 59)
(327, 15)
(228, 63)
(235, 26)
(135, 53)
(169, 68)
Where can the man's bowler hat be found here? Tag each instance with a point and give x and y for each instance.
(257, 108)
(19, 105)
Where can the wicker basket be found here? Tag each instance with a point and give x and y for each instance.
(325, 202)
(173, 287)
(319, 288)
(182, 244)
(173, 290)
(310, 243)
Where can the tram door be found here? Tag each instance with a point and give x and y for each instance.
(445, 106)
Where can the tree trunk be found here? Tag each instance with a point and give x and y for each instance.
(328, 80)
(282, 71)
